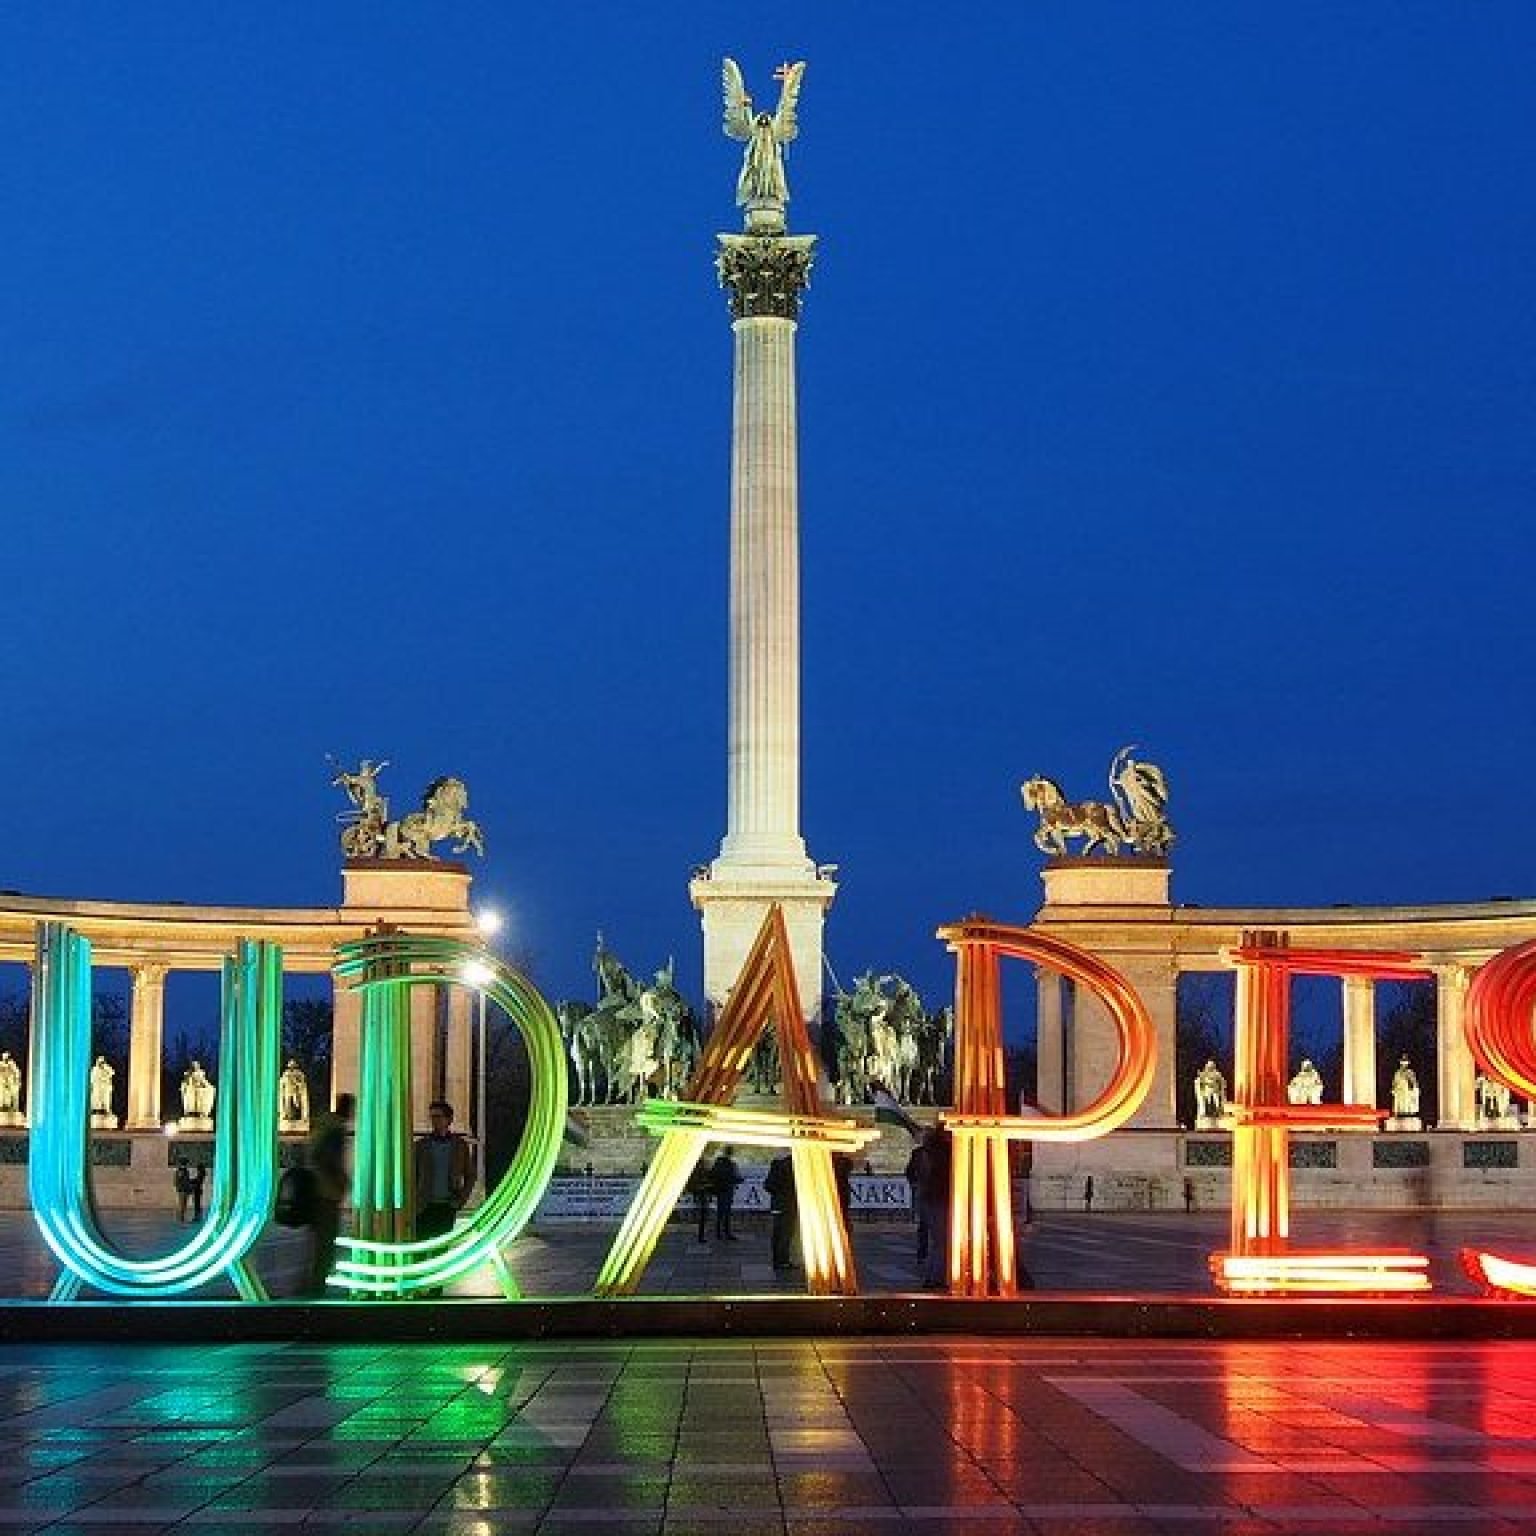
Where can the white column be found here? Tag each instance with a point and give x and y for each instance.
(426, 1061)
(346, 1031)
(1157, 982)
(1457, 1070)
(146, 1042)
(1050, 1044)
(458, 1078)
(762, 859)
(763, 802)
(1359, 1040)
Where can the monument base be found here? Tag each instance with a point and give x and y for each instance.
(1403, 1123)
(12, 1117)
(101, 1122)
(195, 1123)
(293, 1128)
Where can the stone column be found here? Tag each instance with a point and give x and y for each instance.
(1157, 980)
(1050, 1044)
(762, 858)
(146, 1047)
(1359, 1040)
(459, 1049)
(346, 1025)
(1457, 1070)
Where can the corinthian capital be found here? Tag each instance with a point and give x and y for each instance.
(765, 275)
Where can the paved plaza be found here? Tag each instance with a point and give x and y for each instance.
(745, 1438)
(907, 1434)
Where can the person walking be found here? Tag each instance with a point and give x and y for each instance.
(332, 1183)
(724, 1176)
(779, 1185)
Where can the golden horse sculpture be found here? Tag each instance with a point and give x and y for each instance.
(1099, 824)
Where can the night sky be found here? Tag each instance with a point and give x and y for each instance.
(1168, 376)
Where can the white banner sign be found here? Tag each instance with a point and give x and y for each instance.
(607, 1199)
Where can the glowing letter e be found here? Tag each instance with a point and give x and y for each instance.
(982, 1259)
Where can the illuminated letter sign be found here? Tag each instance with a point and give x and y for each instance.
(245, 1157)
(1501, 1003)
(982, 1257)
(1261, 1259)
(386, 968)
(765, 993)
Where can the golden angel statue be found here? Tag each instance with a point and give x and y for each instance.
(762, 188)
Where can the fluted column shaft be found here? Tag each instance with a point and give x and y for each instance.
(146, 1047)
(1359, 1040)
(763, 805)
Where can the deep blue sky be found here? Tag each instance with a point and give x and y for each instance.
(1168, 376)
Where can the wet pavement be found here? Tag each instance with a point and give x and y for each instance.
(790, 1437)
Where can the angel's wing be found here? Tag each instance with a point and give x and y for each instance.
(738, 105)
(785, 127)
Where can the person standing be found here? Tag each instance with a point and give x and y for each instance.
(1088, 1193)
(183, 1185)
(199, 1180)
(937, 1172)
(779, 1184)
(698, 1187)
(444, 1173)
(724, 1176)
(332, 1183)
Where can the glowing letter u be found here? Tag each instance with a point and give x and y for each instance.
(245, 1155)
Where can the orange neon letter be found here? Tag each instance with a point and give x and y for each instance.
(982, 1258)
(1500, 1005)
(1261, 1260)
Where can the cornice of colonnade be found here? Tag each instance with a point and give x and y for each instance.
(431, 898)
(1451, 932)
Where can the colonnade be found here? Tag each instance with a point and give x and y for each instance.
(153, 942)
(1121, 911)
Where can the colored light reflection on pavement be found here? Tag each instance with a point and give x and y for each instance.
(792, 1437)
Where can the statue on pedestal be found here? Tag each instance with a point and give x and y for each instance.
(369, 834)
(762, 188)
(1494, 1110)
(197, 1096)
(1137, 818)
(363, 834)
(1405, 1099)
(1307, 1086)
(293, 1099)
(1210, 1097)
(884, 1037)
(10, 1091)
(639, 1040)
(102, 1074)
